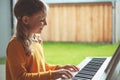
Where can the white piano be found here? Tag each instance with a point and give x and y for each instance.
(99, 68)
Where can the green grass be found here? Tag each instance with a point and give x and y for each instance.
(2, 60)
(73, 53)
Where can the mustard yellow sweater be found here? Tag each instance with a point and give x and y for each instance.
(22, 67)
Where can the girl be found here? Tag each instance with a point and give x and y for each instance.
(25, 58)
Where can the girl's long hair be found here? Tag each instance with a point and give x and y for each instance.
(27, 8)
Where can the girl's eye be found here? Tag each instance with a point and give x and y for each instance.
(42, 20)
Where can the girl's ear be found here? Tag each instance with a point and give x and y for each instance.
(25, 19)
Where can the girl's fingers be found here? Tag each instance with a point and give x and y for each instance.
(75, 68)
(66, 74)
(71, 68)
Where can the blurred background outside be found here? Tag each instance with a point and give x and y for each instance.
(76, 29)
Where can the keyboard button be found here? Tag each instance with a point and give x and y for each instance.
(88, 72)
(78, 78)
(84, 76)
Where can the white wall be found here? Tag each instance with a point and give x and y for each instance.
(76, 1)
(14, 18)
(5, 25)
(118, 20)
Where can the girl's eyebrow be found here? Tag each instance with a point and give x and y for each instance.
(40, 17)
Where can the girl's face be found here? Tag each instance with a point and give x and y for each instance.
(36, 22)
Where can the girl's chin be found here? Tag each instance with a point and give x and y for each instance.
(38, 32)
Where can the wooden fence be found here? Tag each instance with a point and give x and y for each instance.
(79, 23)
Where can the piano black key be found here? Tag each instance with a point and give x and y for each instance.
(90, 69)
(86, 72)
(84, 76)
(98, 62)
(99, 59)
(91, 66)
(78, 78)
(75, 78)
(94, 64)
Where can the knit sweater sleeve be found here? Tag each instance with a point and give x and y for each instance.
(52, 67)
(16, 64)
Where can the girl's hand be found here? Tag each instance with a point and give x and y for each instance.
(61, 73)
(71, 68)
